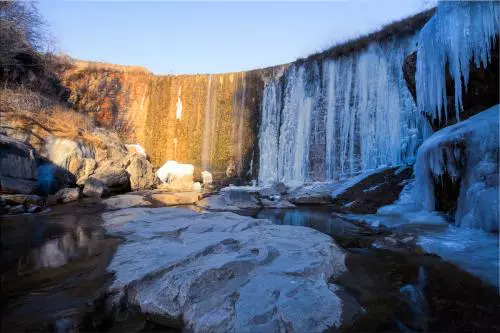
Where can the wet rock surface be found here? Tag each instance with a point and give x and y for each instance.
(221, 272)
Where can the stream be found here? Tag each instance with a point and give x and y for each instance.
(54, 272)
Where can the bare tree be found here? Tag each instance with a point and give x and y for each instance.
(22, 35)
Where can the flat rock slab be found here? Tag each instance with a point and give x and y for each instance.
(126, 201)
(175, 198)
(222, 272)
(232, 199)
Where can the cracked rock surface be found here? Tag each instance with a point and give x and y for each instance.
(221, 272)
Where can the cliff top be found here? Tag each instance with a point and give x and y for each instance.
(398, 29)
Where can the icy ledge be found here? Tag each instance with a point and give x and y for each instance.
(468, 153)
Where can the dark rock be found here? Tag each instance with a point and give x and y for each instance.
(18, 169)
(374, 191)
(68, 194)
(114, 178)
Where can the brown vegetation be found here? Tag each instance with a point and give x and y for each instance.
(398, 29)
(26, 111)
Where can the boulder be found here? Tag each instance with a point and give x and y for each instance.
(230, 199)
(95, 188)
(174, 199)
(140, 172)
(115, 178)
(311, 194)
(366, 193)
(222, 272)
(126, 201)
(68, 194)
(176, 177)
(18, 168)
(73, 158)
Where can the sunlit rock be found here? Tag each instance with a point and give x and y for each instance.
(176, 198)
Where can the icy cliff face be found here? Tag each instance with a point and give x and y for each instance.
(468, 153)
(459, 32)
(329, 120)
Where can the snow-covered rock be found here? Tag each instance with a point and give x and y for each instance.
(178, 177)
(206, 177)
(221, 272)
(314, 193)
(468, 154)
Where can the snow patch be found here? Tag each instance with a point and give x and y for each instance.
(172, 169)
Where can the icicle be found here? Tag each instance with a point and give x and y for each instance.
(459, 32)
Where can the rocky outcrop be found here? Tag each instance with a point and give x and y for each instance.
(18, 167)
(66, 195)
(221, 272)
(481, 92)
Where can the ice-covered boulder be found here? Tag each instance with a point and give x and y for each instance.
(467, 155)
(206, 177)
(176, 176)
(222, 272)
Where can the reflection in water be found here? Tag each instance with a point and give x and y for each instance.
(58, 251)
(53, 266)
(473, 250)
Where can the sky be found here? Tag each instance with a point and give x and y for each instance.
(190, 37)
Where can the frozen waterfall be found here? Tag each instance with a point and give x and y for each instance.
(459, 32)
(329, 120)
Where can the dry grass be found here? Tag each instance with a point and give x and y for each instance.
(398, 29)
(28, 111)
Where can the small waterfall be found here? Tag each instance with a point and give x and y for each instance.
(333, 119)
